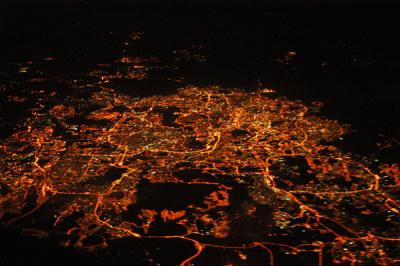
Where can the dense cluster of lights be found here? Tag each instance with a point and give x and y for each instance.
(222, 169)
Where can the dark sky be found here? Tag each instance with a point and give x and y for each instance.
(199, 2)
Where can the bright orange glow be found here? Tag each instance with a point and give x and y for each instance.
(231, 170)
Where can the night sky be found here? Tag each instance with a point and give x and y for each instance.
(58, 60)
